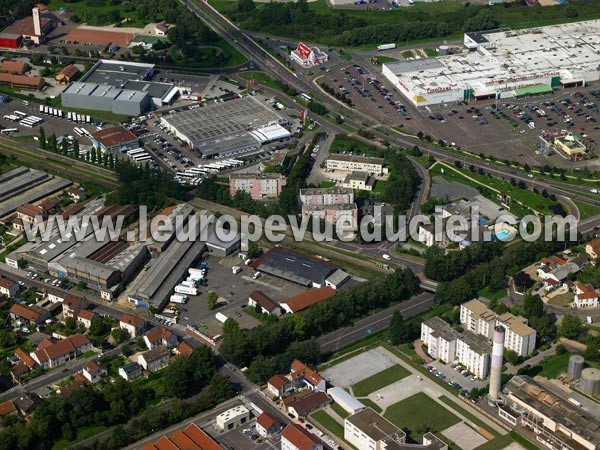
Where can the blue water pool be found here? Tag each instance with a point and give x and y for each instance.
(502, 234)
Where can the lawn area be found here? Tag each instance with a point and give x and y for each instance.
(12, 247)
(497, 444)
(586, 210)
(552, 366)
(370, 403)
(420, 413)
(105, 116)
(99, 12)
(326, 184)
(260, 78)
(339, 410)
(468, 415)
(561, 300)
(497, 295)
(328, 422)
(380, 187)
(386, 59)
(379, 380)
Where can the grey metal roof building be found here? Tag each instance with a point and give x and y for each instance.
(105, 97)
(34, 194)
(19, 180)
(295, 267)
(223, 128)
(116, 73)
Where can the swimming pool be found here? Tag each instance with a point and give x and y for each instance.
(502, 234)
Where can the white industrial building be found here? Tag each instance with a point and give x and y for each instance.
(233, 417)
(503, 63)
(346, 400)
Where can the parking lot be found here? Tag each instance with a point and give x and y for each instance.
(462, 381)
(506, 128)
(245, 437)
(233, 291)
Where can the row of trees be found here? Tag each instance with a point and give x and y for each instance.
(93, 156)
(272, 347)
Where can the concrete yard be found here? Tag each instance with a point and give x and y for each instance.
(464, 436)
(358, 368)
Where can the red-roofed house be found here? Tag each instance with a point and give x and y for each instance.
(14, 67)
(186, 348)
(161, 29)
(160, 336)
(55, 354)
(267, 305)
(294, 437)
(593, 248)
(300, 372)
(29, 314)
(8, 287)
(266, 424)
(311, 297)
(6, 409)
(76, 194)
(24, 356)
(86, 317)
(585, 296)
(278, 385)
(67, 74)
(94, 371)
(305, 405)
(71, 307)
(134, 325)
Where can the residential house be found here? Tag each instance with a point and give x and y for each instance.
(305, 405)
(67, 74)
(7, 408)
(267, 304)
(267, 424)
(71, 307)
(155, 359)
(133, 325)
(301, 372)
(552, 262)
(25, 358)
(28, 212)
(278, 385)
(51, 354)
(186, 348)
(295, 437)
(31, 314)
(592, 248)
(305, 299)
(8, 287)
(558, 273)
(76, 194)
(27, 402)
(159, 336)
(94, 371)
(130, 371)
(86, 317)
(350, 163)
(161, 29)
(359, 180)
(585, 296)
(18, 371)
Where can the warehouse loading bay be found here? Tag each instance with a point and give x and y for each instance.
(477, 126)
(233, 291)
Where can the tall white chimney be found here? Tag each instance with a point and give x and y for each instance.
(496, 371)
(37, 24)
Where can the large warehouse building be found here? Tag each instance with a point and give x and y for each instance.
(228, 128)
(120, 87)
(503, 63)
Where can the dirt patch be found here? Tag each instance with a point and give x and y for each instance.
(99, 37)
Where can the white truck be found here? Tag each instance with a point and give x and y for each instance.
(181, 289)
(575, 402)
(179, 298)
(385, 47)
(196, 273)
(188, 283)
(236, 269)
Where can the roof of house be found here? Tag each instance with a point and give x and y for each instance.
(155, 354)
(30, 210)
(587, 295)
(266, 420)
(71, 209)
(93, 367)
(6, 283)
(299, 437)
(158, 334)
(7, 408)
(305, 405)
(552, 260)
(161, 27)
(130, 319)
(263, 300)
(186, 348)
(69, 71)
(26, 401)
(86, 314)
(304, 300)
(109, 137)
(307, 372)
(278, 381)
(190, 438)
(24, 356)
(23, 80)
(71, 302)
(131, 368)
(78, 383)
(14, 66)
(595, 243)
(25, 312)
(62, 347)
(585, 287)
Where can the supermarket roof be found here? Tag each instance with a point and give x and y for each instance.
(117, 73)
(533, 90)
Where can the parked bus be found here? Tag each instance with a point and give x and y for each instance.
(9, 130)
(306, 97)
(78, 131)
(20, 114)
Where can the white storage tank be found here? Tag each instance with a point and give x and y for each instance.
(575, 366)
(443, 50)
(590, 381)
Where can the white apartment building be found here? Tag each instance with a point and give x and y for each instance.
(474, 352)
(585, 296)
(350, 163)
(232, 418)
(267, 185)
(519, 337)
(326, 196)
(440, 339)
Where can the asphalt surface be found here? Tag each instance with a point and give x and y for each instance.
(372, 324)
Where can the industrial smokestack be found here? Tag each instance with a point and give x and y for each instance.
(37, 25)
(496, 372)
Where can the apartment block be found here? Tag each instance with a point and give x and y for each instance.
(474, 352)
(267, 185)
(440, 339)
(326, 196)
(519, 336)
(350, 163)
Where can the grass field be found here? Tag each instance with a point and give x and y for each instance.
(84, 433)
(260, 78)
(586, 210)
(468, 415)
(370, 403)
(497, 295)
(420, 413)
(379, 380)
(552, 366)
(329, 423)
(339, 410)
(497, 443)
(88, 11)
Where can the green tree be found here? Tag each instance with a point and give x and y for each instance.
(118, 335)
(140, 344)
(533, 306)
(212, 300)
(125, 350)
(571, 326)
(42, 138)
(76, 148)
(397, 329)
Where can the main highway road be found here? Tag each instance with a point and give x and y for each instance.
(372, 324)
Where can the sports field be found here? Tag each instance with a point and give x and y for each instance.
(379, 380)
(420, 413)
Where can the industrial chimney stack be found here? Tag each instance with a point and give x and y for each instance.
(37, 25)
(496, 371)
